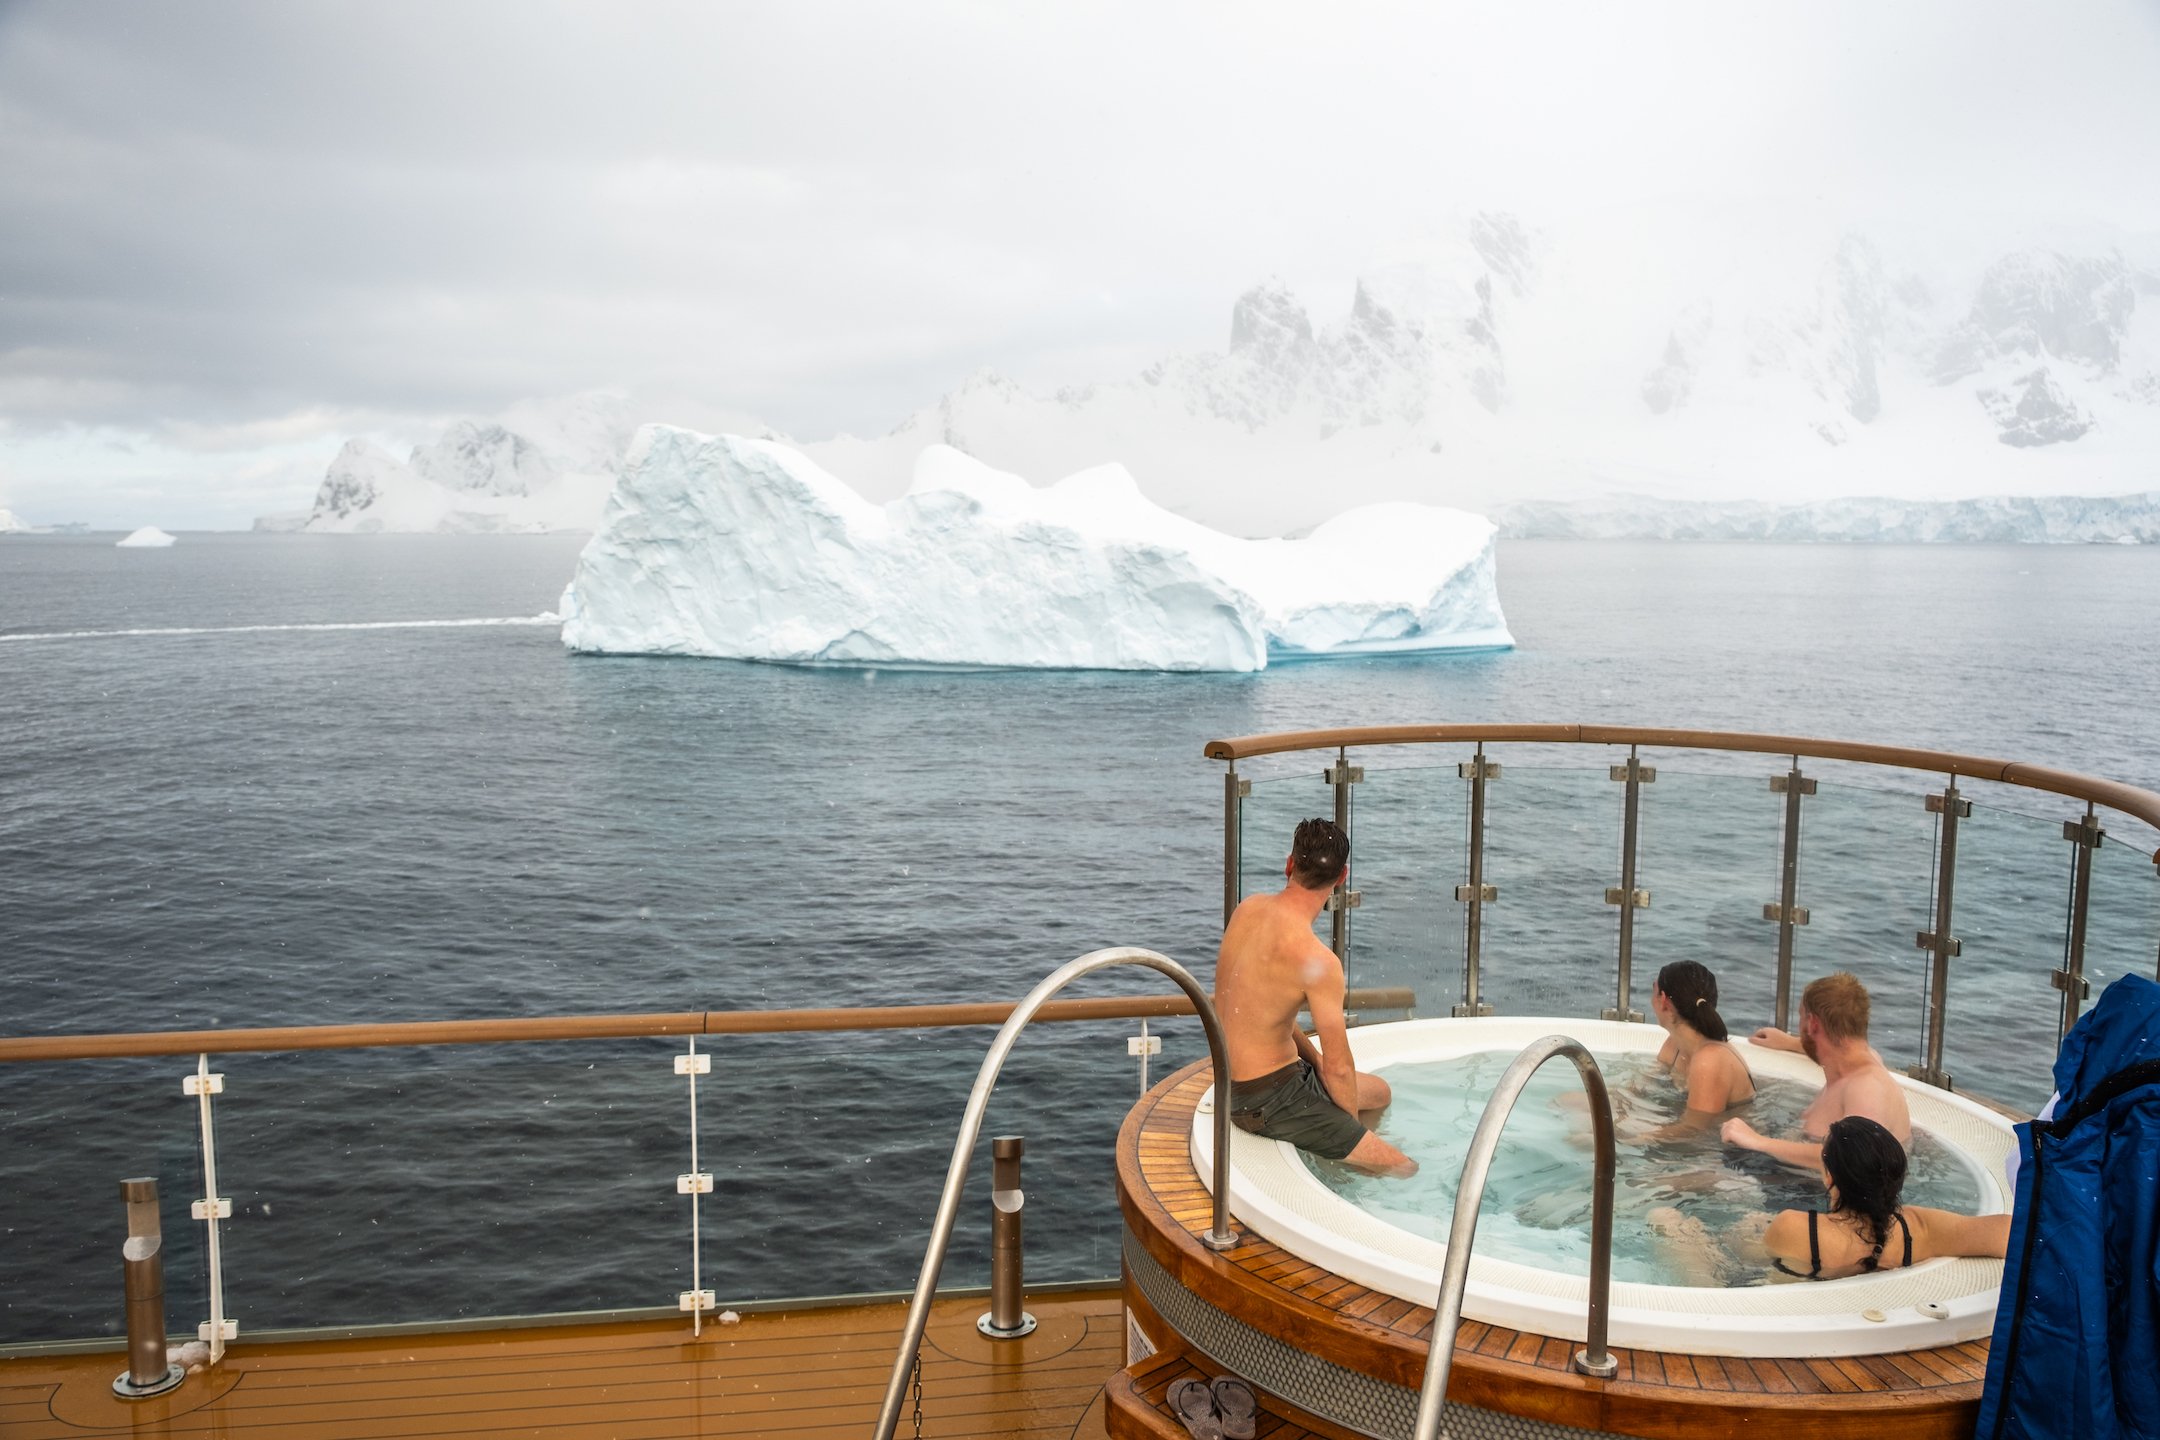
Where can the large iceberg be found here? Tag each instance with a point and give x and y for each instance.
(745, 549)
(147, 538)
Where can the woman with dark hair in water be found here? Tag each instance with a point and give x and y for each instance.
(1865, 1229)
(1701, 1061)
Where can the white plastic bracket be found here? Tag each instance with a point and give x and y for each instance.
(201, 1210)
(213, 1084)
(232, 1331)
(1143, 1045)
(698, 1184)
(697, 1300)
(693, 1064)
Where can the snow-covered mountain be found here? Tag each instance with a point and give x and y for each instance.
(1582, 362)
(1682, 354)
(540, 466)
(2014, 519)
(9, 525)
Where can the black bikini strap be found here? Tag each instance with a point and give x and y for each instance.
(1814, 1246)
(1908, 1237)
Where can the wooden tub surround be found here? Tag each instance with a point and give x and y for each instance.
(1267, 1304)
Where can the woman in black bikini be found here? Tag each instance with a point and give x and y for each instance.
(1865, 1229)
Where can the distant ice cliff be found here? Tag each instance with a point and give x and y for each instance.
(2002, 519)
(729, 547)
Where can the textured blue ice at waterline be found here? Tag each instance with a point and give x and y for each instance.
(1537, 1199)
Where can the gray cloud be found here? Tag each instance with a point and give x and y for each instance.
(223, 216)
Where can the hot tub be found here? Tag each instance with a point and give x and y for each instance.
(1939, 1302)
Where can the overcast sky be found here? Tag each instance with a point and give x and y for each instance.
(232, 234)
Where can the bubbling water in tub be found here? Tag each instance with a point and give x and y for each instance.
(1538, 1197)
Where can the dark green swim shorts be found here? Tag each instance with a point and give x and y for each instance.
(1293, 1104)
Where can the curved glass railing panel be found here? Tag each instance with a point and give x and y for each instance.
(69, 1134)
(1867, 879)
(2010, 915)
(1552, 846)
(2122, 924)
(1408, 853)
(1709, 856)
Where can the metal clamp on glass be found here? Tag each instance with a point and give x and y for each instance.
(1475, 895)
(1940, 942)
(1342, 775)
(1627, 894)
(2085, 833)
(695, 1301)
(213, 1207)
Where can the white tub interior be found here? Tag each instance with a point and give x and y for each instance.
(1938, 1302)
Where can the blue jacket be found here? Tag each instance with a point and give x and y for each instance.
(2077, 1328)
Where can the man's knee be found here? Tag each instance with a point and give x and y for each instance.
(1373, 1093)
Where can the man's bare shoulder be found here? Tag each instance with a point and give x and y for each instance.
(1874, 1093)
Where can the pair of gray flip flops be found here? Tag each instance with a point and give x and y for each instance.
(1225, 1410)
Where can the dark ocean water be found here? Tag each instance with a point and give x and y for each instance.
(285, 826)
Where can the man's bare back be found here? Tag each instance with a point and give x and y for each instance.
(1271, 966)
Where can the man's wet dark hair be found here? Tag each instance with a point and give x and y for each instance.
(1693, 992)
(1867, 1165)
(1319, 854)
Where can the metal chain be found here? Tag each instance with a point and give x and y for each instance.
(918, 1395)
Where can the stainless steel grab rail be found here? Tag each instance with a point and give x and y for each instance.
(1594, 1358)
(1218, 1237)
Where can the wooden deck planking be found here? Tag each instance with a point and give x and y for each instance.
(808, 1375)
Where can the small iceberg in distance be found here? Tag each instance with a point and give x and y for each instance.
(147, 538)
(734, 548)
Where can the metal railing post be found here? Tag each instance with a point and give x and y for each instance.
(1007, 1317)
(1342, 775)
(1626, 895)
(1218, 1236)
(1595, 1358)
(1235, 789)
(2087, 836)
(1476, 895)
(1939, 942)
(212, 1208)
(143, 1270)
(697, 1299)
(1788, 914)
(1143, 1045)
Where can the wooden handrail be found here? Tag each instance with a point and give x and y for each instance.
(615, 1027)
(2140, 804)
